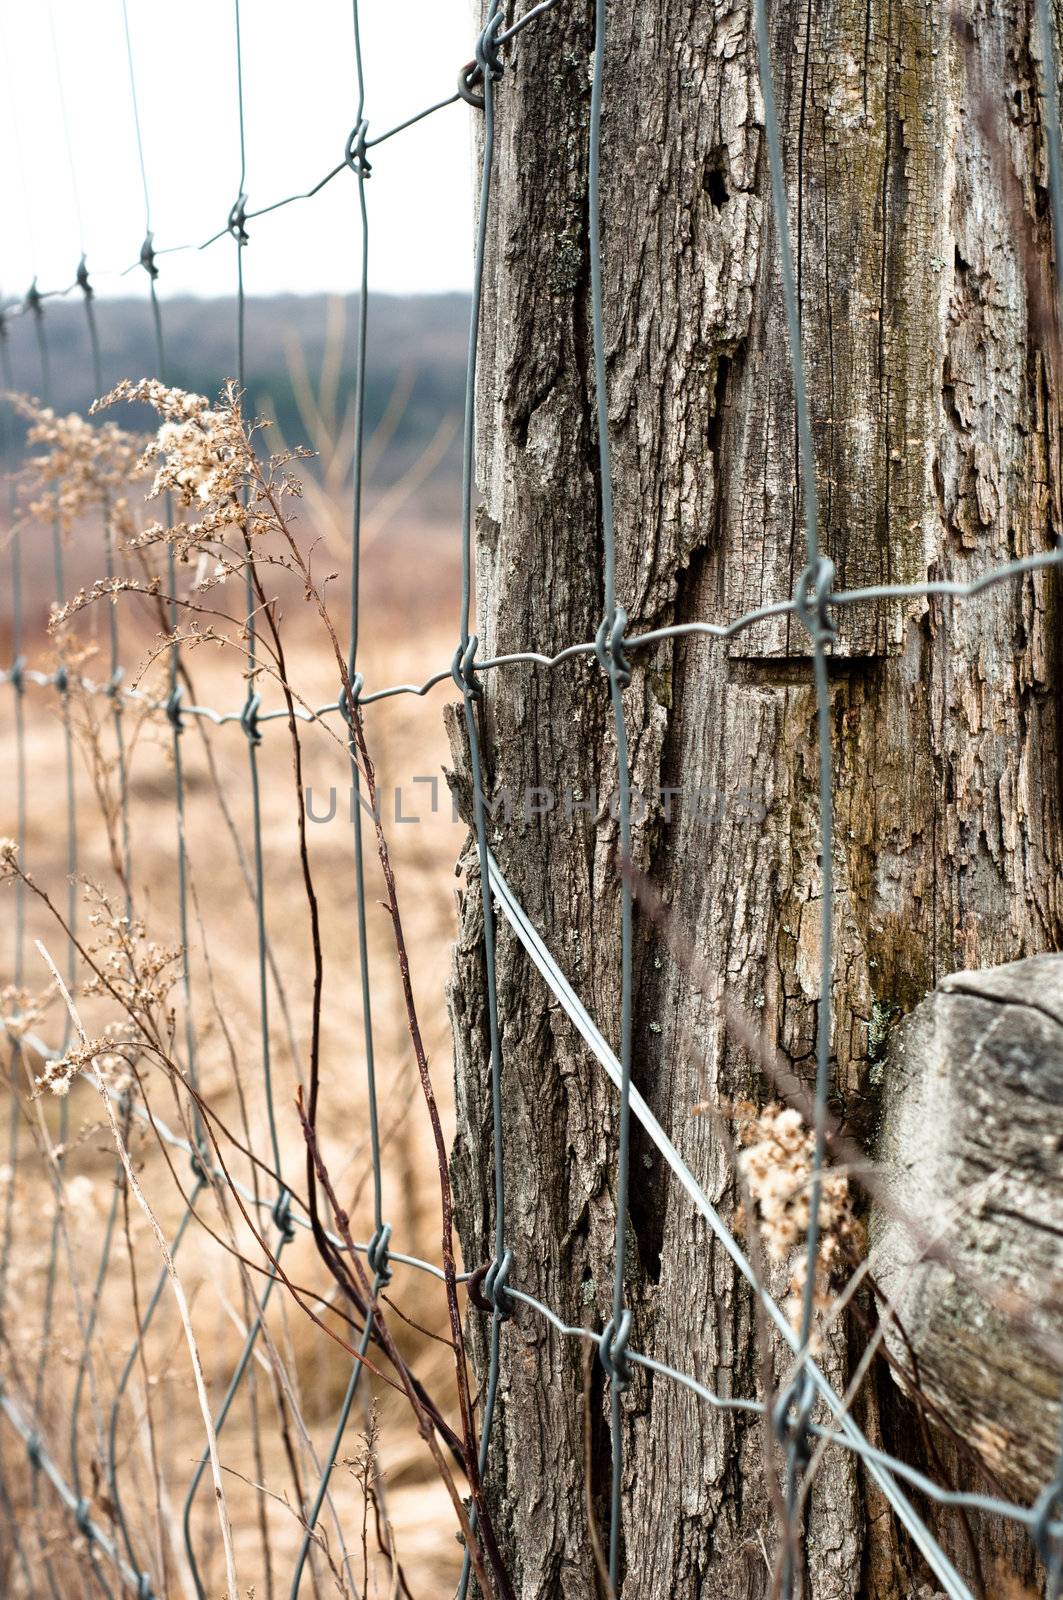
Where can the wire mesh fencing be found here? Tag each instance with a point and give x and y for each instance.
(84, 1465)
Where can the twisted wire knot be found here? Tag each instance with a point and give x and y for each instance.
(487, 63)
(81, 1518)
(612, 1351)
(61, 679)
(812, 599)
(355, 153)
(16, 677)
(282, 1215)
(377, 1253)
(114, 683)
(792, 1414)
(144, 1589)
(487, 57)
(1048, 1502)
(347, 702)
(463, 669)
(82, 279)
(172, 708)
(34, 300)
(237, 217)
(33, 1450)
(249, 718)
(609, 648)
(495, 1291)
(147, 256)
(468, 77)
(197, 1161)
(487, 1290)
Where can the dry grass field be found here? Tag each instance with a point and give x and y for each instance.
(408, 629)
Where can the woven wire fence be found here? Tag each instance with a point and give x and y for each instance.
(100, 1512)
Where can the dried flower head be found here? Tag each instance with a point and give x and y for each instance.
(60, 1073)
(201, 455)
(776, 1161)
(81, 466)
(138, 971)
(20, 1010)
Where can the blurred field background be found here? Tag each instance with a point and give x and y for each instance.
(300, 352)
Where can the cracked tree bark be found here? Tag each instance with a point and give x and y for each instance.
(916, 169)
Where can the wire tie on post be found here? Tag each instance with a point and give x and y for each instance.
(467, 78)
(612, 1351)
(172, 708)
(486, 60)
(486, 1287)
(487, 57)
(282, 1216)
(494, 1287)
(237, 218)
(792, 1414)
(249, 718)
(463, 669)
(347, 702)
(197, 1162)
(377, 1253)
(82, 278)
(812, 599)
(147, 256)
(354, 153)
(609, 648)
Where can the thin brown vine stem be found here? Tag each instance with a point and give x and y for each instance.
(366, 766)
(329, 1254)
(368, 772)
(425, 1428)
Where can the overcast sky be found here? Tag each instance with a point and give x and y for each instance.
(72, 182)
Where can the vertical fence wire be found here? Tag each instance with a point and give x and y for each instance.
(793, 1408)
(173, 714)
(85, 1354)
(85, 1369)
(488, 62)
(16, 1058)
(249, 724)
(36, 305)
(357, 159)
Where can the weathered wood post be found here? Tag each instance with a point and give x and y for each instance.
(967, 1237)
(916, 169)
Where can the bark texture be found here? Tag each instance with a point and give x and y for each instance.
(972, 1130)
(917, 179)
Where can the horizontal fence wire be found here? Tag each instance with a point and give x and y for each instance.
(814, 601)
